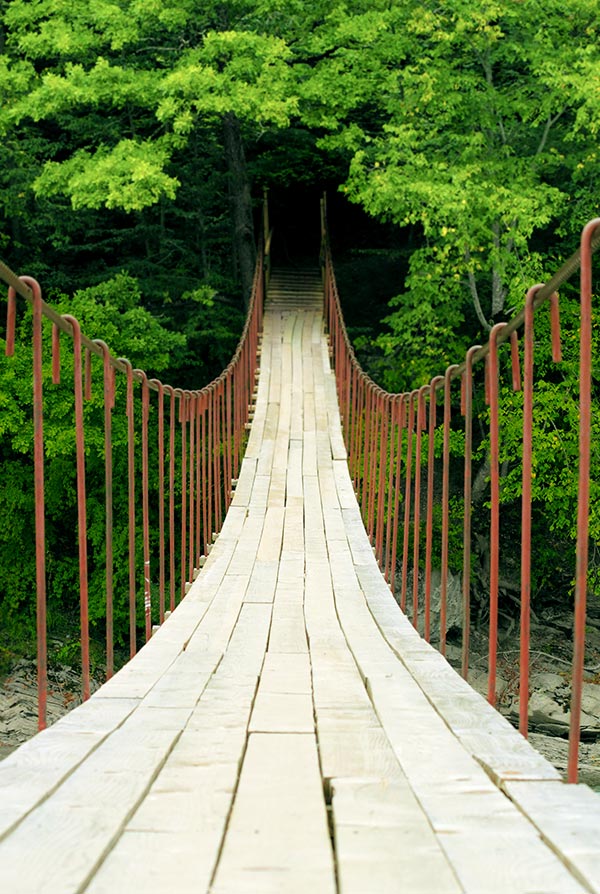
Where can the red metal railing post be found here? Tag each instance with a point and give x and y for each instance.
(219, 429)
(38, 459)
(417, 501)
(583, 511)
(526, 512)
(109, 402)
(364, 450)
(81, 506)
(197, 547)
(87, 375)
(360, 426)
(407, 492)
(494, 508)
(437, 380)
(161, 498)
(391, 454)
(145, 504)
(215, 456)
(467, 499)
(204, 470)
(131, 505)
(209, 459)
(183, 418)
(399, 405)
(383, 453)
(445, 504)
(172, 421)
(373, 455)
(192, 485)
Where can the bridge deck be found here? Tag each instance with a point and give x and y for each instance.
(287, 730)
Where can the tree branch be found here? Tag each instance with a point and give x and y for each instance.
(498, 290)
(475, 294)
(549, 124)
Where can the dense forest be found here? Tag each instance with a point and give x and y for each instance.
(138, 136)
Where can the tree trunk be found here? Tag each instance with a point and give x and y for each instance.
(241, 205)
(498, 288)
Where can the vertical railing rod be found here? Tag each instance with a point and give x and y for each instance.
(81, 507)
(583, 511)
(161, 498)
(407, 496)
(146, 505)
(39, 489)
(467, 509)
(494, 508)
(437, 380)
(109, 402)
(131, 505)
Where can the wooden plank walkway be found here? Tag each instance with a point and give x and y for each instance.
(287, 730)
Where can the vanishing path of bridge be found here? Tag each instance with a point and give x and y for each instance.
(287, 730)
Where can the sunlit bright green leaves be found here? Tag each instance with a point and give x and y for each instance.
(130, 176)
(240, 73)
(467, 123)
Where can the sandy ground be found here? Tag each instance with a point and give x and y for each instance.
(18, 701)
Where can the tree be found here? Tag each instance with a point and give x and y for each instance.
(131, 85)
(471, 124)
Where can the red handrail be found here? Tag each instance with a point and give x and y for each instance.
(212, 428)
(383, 433)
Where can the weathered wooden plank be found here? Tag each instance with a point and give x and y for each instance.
(260, 493)
(265, 457)
(269, 548)
(214, 632)
(245, 482)
(181, 689)
(334, 525)
(39, 766)
(277, 839)
(568, 819)
(360, 547)
(294, 469)
(90, 806)
(246, 648)
(298, 348)
(291, 577)
(189, 802)
(287, 627)
(343, 484)
(277, 488)
(261, 587)
(361, 751)
(148, 860)
(282, 712)
(286, 673)
(384, 842)
(327, 485)
(309, 452)
(293, 528)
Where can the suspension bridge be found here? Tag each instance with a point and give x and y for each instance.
(286, 728)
